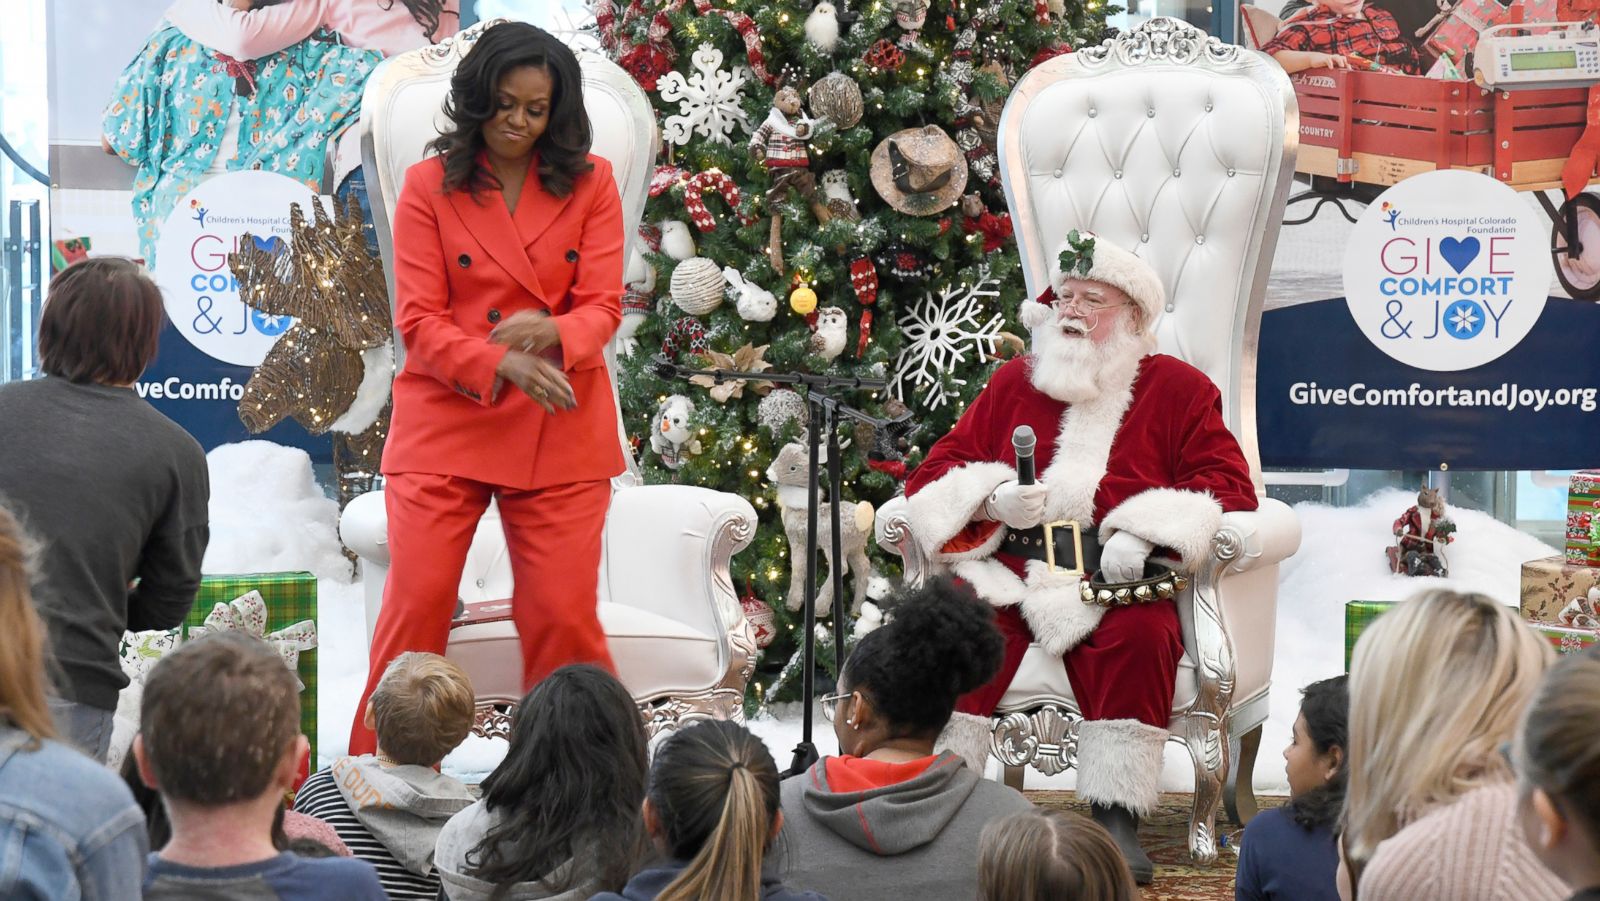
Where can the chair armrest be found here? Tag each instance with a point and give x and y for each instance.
(893, 531)
(1251, 539)
(669, 549)
(364, 528)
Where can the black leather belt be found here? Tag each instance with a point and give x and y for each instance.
(1064, 545)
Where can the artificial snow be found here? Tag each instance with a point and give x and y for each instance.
(268, 514)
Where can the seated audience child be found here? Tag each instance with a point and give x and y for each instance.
(1290, 853)
(1343, 34)
(1558, 763)
(219, 737)
(68, 826)
(390, 807)
(1047, 855)
(712, 811)
(889, 818)
(559, 818)
(1437, 686)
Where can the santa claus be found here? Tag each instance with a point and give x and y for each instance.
(1136, 467)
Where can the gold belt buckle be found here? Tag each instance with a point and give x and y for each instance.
(1077, 545)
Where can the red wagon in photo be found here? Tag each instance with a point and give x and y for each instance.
(1361, 131)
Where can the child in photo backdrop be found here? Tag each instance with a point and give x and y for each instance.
(1290, 853)
(182, 112)
(1344, 34)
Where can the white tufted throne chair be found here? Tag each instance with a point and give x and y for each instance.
(1181, 149)
(672, 621)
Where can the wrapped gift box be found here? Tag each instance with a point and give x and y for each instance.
(1567, 640)
(1583, 518)
(1550, 584)
(290, 597)
(1358, 615)
(1458, 33)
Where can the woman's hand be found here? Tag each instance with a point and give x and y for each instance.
(539, 379)
(528, 331)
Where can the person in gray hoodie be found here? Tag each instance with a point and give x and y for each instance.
(560, 816)
(890, 818)
(390, 807)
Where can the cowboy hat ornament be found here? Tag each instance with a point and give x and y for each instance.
(919, 171)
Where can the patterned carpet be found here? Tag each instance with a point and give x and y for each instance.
(1165, 835)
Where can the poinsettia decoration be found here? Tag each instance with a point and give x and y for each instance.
(746, 359)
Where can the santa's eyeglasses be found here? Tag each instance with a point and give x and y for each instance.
(1085, 303)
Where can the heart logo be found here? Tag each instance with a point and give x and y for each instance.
(1459, 253)
(274, 245)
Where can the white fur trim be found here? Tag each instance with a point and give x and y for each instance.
(1183, 520)
(372, 394)
(992, 581)
(1055, 613)
(1083, 446)
(944, 506)
(1120, 269)
(1119, 763)
(969, 737)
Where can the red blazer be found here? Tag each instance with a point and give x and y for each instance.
(462, 265)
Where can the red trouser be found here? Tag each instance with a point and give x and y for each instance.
(1124, 670)
(553, 536)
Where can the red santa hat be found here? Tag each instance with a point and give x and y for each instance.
(1106, 262)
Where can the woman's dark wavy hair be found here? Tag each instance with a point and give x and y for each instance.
(427, 13)
(1326, 707)
(570, 788)
(941, 644)
(563, 149)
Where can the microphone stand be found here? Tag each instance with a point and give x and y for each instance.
(824, 412)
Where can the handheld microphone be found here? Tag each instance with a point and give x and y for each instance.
(1022, 442)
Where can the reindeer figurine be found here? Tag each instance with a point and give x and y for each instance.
(332, 370)
(790, 472)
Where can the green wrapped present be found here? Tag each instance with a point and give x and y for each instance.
(290, 602)
(1358, 615)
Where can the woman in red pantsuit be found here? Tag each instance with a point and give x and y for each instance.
(508, 273)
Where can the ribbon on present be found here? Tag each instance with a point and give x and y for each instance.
(248, 614)
(1582, 612)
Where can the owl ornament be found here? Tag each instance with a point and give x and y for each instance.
(828, 338)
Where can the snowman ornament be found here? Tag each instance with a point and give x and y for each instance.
(671, 438)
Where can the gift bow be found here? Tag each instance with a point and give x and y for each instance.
(248, 614)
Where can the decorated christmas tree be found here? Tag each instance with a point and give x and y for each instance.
(829, 201)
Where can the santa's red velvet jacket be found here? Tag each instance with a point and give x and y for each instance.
(1151, 456)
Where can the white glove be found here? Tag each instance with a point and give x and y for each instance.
(1122, 559)
(1018, 506)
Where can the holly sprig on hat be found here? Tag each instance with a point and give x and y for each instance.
(1078, 255)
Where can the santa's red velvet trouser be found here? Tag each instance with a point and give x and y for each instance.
(553, 537)
(1124, 670)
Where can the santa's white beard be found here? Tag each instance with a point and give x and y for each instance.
(1073, 368)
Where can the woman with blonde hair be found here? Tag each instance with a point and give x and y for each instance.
(1047, 855)
(1558, 765)
(69, 826)
(712, 810)
(1437, 687)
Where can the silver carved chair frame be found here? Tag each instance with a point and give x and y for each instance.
(1181, 149)
(672, 618)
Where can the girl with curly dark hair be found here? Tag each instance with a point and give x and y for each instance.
(1291, 852)
(508, 286)
(889, 817)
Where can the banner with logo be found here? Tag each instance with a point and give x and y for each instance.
(178, 126)
(1446, 350)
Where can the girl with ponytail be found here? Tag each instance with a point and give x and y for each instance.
(890, 817)
(712, 810)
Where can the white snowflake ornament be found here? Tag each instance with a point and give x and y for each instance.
(941, 332)
(709, 101)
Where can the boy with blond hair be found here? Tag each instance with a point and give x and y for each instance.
(219, 737)
(389, 807)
